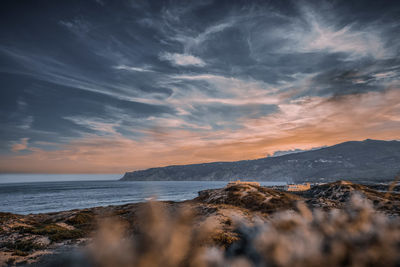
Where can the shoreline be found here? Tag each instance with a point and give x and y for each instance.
(60, 196)
(379, 186)
(25, 238)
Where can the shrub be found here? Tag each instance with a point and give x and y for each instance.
(354, 236)
(57, 233)
(81, 219)
(23, 246)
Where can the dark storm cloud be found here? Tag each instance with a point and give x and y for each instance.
(47, 112)
(71, 68)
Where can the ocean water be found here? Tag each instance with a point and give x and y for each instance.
(42, 197)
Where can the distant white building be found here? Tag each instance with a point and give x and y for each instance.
(298, 187)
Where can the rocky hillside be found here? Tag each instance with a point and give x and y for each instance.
(369, 160)
(337, 194)
(254, 198)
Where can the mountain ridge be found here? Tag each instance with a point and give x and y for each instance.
(366, 160)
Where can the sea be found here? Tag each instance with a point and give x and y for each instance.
(32, 194)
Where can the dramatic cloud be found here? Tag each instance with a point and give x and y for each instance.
(317, 34)
(182, 59)
(110, 86)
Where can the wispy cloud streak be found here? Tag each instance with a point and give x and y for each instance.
(111, 86)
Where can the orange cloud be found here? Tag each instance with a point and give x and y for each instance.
(306, 123)
(20, 146)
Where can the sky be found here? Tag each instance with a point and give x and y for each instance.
(112, 86)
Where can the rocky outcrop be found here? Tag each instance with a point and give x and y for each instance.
(251, 197)
(337, 194)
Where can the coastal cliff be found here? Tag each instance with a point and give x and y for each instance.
(356, 161)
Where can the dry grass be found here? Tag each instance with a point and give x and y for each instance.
(23, 246)
(357, 235)
(238, 226)
(161, 239)
(254, 198)
(354, 236)
(55, 232)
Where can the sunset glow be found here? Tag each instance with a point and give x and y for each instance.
(130, 85)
